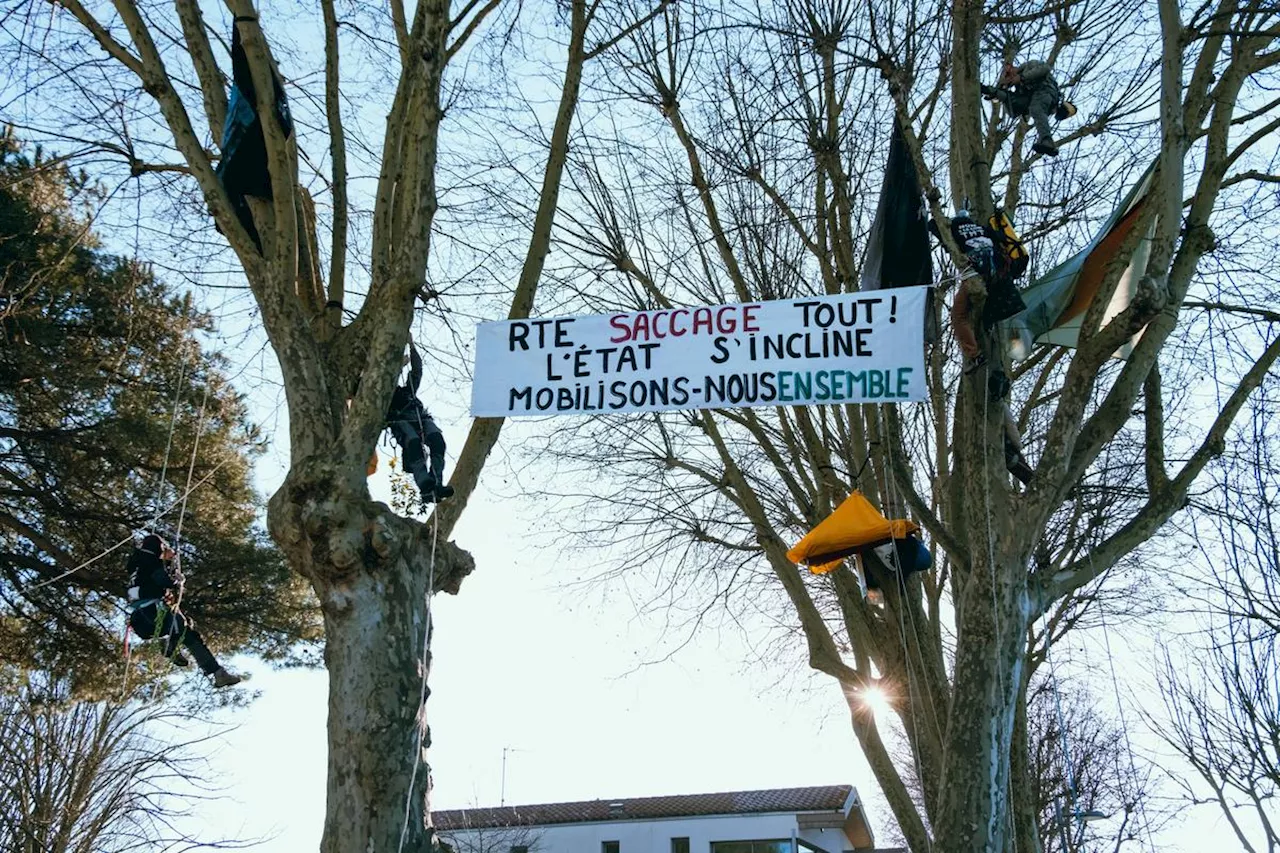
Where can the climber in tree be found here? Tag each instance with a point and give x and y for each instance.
(154, 587)
(1029, 90)
(987, 266)
(413, 427)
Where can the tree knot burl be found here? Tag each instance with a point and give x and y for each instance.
(332, 533)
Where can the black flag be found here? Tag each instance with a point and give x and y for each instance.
(898, 250)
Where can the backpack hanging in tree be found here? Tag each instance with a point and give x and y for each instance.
(1014, 257)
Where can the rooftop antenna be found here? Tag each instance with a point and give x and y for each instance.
(503, 799)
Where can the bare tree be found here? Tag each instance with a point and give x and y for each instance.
(81, 777)
(1224, 709)
(744, 175)
(494, 839)
(144, 86)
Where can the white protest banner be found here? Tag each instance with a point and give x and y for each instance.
(852, 348)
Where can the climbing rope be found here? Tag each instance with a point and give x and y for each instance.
(128, 539)
(191, 468)
(422, 692)
(913, 684)
(173, 420)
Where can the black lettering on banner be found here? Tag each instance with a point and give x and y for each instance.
(648, 354)
(617, 394)
(824, 315)
(864, 348)
(552, 376)
(681, 388)
(562, 332)
(544, 398)
(769, 391)
(518, 394)
(517, 333)
(721, 355)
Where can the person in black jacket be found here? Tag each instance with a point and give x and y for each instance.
(153, 600)
(987, 265)
(979, 244)
(243, 166)
(412, 427)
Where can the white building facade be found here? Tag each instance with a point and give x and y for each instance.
(827, 819)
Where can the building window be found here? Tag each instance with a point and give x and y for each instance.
(680, 845)
(777, 845)
(609, 847)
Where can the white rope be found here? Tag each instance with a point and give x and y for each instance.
(191, 469)
(422, 693)
(900, 580)
(128, 539)
(173, 420)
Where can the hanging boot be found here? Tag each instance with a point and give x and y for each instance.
(1017, 464)
(222, 678)
(1045, 146)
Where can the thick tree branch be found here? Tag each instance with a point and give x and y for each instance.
(1160, 506)
(206, 66)
(338, 156)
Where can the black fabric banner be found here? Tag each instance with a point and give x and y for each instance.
(898, 250)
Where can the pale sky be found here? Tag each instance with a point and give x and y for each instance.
(555, 673)
(559, 676)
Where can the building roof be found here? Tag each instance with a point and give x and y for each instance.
(822, 798)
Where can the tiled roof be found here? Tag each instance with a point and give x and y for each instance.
(824, 798)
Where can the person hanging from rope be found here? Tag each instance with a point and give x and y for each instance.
(412, 427)
(987, 268)
(155, 586)
(990, 268)
(1030, 91)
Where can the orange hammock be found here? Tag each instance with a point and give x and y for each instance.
(854, 525)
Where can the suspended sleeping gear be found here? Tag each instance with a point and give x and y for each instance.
(1059, 299)
(854, 527)
(898, 246)
(892, 562)
(418, 435)
(243, 167)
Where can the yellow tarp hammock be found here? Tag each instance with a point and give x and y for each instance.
(854, 525)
